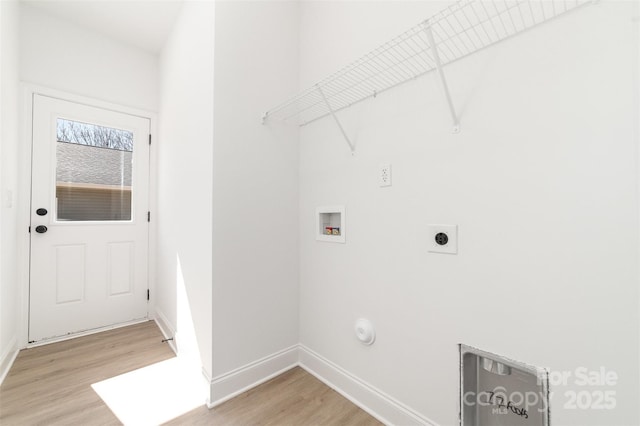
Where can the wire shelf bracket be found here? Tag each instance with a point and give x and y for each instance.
(443, 79)
(455, 32)
(335, 118)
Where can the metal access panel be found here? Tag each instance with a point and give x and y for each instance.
(497, 391)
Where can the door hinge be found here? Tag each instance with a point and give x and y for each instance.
(149, 138)
(148, 216)
(29, 229)
(148, 295)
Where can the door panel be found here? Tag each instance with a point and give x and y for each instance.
(120, 268)
(70, 273)
(90, 172)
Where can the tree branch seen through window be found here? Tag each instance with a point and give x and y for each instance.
(92, 135)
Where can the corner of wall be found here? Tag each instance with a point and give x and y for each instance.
(9, 135)
(183, 238)
(166, 329)
(228, 385)
(379, 405)
(7, 358)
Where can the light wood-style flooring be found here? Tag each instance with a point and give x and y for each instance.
(51, 385)
(294, 398)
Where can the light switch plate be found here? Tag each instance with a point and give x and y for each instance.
(443, 239)
(8, 199)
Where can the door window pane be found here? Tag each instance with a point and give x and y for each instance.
(93, 172)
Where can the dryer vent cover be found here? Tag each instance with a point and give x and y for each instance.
(497, 391)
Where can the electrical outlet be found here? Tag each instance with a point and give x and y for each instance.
(384, 175)
(443, 238)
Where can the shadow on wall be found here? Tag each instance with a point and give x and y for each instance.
(163, 391)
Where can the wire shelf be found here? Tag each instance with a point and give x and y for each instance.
(451, 34)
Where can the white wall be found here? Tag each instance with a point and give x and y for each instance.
(542, 182)
(184, 214)
(227, 187)
(58, 54)
(9, 284)
(255, 192)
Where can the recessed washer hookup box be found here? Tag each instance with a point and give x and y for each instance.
(498, 391)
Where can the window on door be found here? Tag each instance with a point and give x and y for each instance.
(94, 172)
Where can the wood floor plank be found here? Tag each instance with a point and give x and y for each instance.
(51, 385)
(294, 398)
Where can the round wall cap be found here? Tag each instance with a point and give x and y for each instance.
(365, 331)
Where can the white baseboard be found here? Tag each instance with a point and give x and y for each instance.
(7, 358)
(166, 329)
(235, 382)
(375, 402)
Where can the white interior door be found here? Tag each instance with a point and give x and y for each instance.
(89, 224)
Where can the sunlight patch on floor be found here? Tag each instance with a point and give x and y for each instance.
(153, 395)
(161, 392)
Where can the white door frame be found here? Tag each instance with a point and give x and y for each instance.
(24, 199)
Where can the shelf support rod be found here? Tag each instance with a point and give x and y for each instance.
(443, 80)
(335, 118)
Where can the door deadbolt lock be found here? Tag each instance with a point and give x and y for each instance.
(41, 212)
(41, 229)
